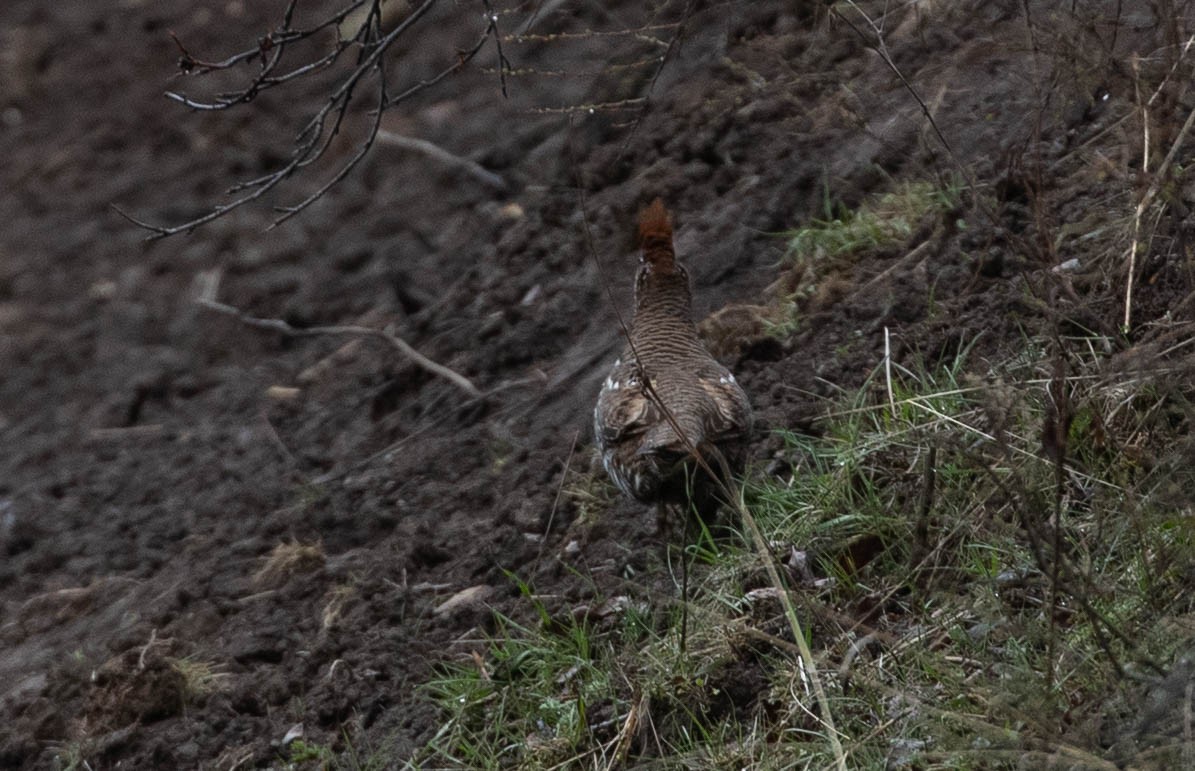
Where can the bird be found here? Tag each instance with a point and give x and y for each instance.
(667, 402)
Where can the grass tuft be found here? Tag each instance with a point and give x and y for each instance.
(286, 560)
(590, 491)
(882, 221)
(965, 602)
(200, 679)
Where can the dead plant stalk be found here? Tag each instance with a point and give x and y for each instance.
(403, 347)
(1155, 185)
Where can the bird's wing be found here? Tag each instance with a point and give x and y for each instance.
(623, 409)
(730, 415)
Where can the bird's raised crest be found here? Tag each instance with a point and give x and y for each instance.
(655, 237)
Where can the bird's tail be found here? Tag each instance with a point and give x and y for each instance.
(655, 236)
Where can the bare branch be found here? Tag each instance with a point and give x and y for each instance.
(464, 58)
(640, 33)
(263, 81)
(403, 347)
(503, 63)
(622, 104)
(352, 162)
(316, 136)
(274, 43)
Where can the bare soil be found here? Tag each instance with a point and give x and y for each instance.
(149, 474)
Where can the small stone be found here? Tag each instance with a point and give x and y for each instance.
(532, 295)
(765, 593)
(102, 290)
(611, 608)
(511, 211)
(798, 563)
(528, 518)
(283, 393)
(491, 325)
(187, 752)
(8, 515)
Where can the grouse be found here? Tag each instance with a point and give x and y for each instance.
(666, 400)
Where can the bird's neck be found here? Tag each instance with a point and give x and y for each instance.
(663, 306)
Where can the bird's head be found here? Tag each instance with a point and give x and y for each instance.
(658, 268)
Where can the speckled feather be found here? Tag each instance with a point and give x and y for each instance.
(641, 449)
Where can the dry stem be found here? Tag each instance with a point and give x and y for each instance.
(403, 347)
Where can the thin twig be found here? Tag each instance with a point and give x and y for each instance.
(881, 48)
(366, 144)
(271, 48)
(273, 41)
(318, 133)
(590, 108)
(417, 358)
(272, 433)
(504, 65)
(673, 47)
(589, 243)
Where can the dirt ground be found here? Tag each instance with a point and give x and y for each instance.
(161, 465)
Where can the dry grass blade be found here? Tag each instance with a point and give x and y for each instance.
(286, 560)
(1159, 178)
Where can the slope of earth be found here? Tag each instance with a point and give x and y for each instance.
(210, 533)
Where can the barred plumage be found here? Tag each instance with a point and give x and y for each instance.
(641, 448)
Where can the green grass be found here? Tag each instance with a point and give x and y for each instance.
(823, 252)
(200, 678)
(940, 627)
(881, 221)
(305, 752)
(70, 756)
(348, 754)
